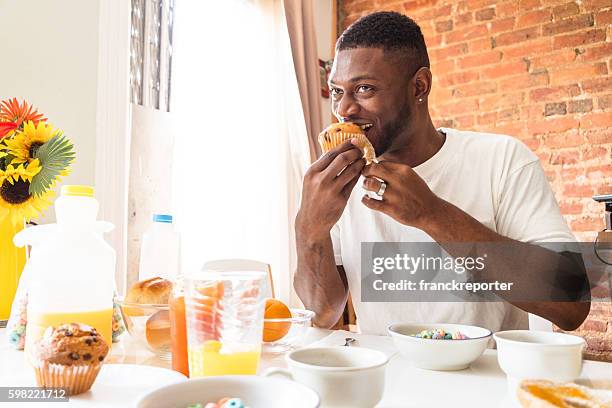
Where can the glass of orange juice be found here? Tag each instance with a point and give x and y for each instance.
(224, 317)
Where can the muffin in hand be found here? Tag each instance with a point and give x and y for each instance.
(337, 133)
(69, 356)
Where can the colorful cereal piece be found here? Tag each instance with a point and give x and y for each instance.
(232, 403)
(440, 334)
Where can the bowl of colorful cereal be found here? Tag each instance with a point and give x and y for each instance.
(439, 346)
(232, 391)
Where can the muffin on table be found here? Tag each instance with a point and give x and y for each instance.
(69, 356)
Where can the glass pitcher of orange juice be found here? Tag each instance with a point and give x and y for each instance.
(224, 316)
(71, 267)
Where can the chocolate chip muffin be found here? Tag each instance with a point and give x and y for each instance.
(337, 133)
(69, 356)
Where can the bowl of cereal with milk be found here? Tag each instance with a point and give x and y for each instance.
(232, 391)
(439, 346)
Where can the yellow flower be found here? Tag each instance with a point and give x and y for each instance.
(22, 145)
(17, 203)
(13, 174)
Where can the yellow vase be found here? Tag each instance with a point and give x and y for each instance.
(12, 261)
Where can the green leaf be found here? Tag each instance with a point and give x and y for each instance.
(55, 156)
(5, 161)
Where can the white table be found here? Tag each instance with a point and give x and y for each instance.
(481, 385)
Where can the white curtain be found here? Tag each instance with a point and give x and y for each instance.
(240, 144)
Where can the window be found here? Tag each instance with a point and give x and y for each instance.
(151, 53)
(240, 144)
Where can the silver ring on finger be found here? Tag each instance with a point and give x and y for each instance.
(381, 190)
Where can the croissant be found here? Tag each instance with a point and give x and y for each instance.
(546, 394)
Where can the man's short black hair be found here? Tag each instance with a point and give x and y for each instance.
(390, 31)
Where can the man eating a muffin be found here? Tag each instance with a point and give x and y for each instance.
(442, 185)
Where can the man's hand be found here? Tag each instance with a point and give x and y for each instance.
(327, 187)
(407, 198)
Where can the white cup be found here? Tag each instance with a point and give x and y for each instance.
(342, 376)
(524, 354)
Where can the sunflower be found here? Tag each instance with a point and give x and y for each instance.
(22, 207)
(13, 174)
(13, 111)
(24, 144)
(16, 201)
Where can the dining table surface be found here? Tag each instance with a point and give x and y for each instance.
(131, 371)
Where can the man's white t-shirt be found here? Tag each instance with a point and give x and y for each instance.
(494, 178)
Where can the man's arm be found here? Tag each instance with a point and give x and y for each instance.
(319, 283)
(535, 271)
(327, 187)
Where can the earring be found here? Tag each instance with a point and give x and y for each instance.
(420, 99)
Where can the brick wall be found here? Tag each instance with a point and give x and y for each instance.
(539, 70)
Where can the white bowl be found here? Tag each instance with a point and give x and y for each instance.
(551, 356)
(253, 390)
(444, 355)
(342, 376)
(297, 324)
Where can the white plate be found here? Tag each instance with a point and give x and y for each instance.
(121, 385)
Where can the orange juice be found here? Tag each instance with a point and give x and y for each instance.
(101, 320)
(178, 334)
(210, 359)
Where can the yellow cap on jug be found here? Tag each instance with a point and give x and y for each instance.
(78, 190)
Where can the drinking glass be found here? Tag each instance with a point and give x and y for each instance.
(224, 316)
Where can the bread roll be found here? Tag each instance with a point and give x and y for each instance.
(547, 394)
(151, 291)
(337, 133)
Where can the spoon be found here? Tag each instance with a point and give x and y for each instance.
(349, 341)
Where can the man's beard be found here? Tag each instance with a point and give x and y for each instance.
(393, 129)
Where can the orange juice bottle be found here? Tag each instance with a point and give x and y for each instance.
(178, 330)
(101, 320)
(71, 268)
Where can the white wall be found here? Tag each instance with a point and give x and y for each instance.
(70, 58)
(323, 14)
(50, 58)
